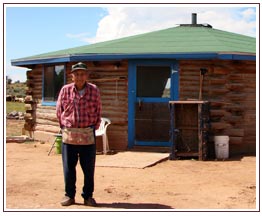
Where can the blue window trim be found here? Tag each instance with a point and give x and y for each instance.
(49, 103)
(132, 64)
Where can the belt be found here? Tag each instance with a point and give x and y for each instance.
(79, 136)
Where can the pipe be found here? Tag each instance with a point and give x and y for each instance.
(194, 18)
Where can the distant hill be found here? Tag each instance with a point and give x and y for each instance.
(16, 89)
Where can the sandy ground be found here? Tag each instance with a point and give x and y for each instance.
(34, 180)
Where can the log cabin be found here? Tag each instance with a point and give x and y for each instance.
(139, 75)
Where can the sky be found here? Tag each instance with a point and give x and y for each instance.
(32, 30)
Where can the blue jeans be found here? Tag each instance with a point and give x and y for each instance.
(87, 157)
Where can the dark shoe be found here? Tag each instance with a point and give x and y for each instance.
(67, 201)
(90, 202)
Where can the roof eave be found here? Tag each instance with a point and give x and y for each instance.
(40, 60)
(120, 56)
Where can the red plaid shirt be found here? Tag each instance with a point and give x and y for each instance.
(76, 111)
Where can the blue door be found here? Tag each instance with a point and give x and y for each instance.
(151, 86)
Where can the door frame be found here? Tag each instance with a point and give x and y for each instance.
(132, 75)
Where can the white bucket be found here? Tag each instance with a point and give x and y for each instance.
(222, 147)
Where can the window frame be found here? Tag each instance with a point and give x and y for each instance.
(50, 103)
(139, 89)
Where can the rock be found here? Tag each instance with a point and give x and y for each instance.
(15, 115)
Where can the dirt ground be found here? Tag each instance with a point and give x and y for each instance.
(34, 180)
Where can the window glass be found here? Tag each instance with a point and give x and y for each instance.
(153, 81)
(53, 81)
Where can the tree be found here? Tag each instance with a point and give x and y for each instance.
(8, 80)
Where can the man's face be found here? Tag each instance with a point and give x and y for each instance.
(79, 78)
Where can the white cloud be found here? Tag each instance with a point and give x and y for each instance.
(126, 21)
(16, 73)
(249, 13)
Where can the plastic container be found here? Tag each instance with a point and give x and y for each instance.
(222, 147)
(58, 144)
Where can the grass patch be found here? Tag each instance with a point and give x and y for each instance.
(14, 106)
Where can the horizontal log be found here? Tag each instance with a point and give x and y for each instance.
(250, 118)
(234, 119)
(189, 85)
(187, 78)
(235, 107)
(47, 122)
(113, 84)
(217, 81)
(117, 136)
(220, 70)
(235, 140)
(28, 98)
(114, 92)
(235, 132)
(110, 71)
(219, 91)
(47, 128)
(115, 105)
(114, 117)
(250, 87)
(236, 96)
(29, 107)
(49, 117)
(37, 79)
(119, 127)
(29, 116)
(249, 139)
(110, 109)
(235, 77)
(250, 131)
(235, 86)
(219, 125)
(38, 87)
(219, 113)
(46, 108)
(217, 103)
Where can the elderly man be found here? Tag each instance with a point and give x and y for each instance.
(79, 113)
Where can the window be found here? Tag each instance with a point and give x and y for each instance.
(153, 81)
(53, 82)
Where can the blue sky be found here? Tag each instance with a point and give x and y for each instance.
(36, 30)
(31, 31)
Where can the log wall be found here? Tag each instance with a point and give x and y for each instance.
(111, 79)
(230, 86)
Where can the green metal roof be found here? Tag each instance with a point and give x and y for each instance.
(181, 39)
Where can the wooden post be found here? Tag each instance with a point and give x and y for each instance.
(203, 71)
